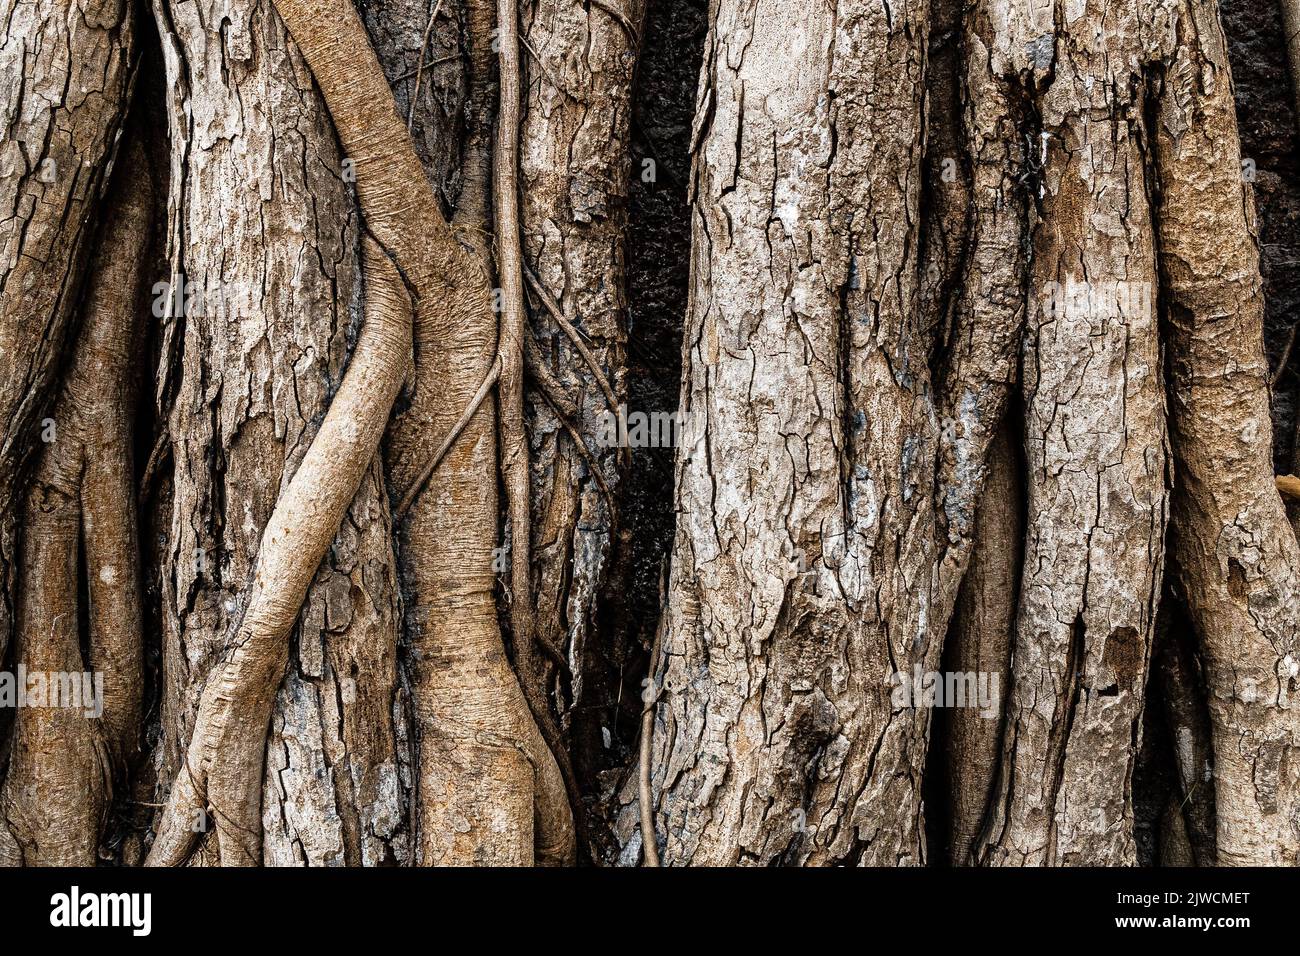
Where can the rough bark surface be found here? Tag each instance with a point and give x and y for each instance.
(80, 532)
(1095, 447)
(574, 171)
(786, 603)
(827, 481)
(67, 70)
(487, 786)
(1236, 553)
(265, 243)
(980, 642)
(305, 441)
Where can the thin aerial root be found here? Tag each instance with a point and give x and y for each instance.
(649, 843)
(1285, 359)
(514, 441)
(419, 66)
(535, 365)
(565, 411)
(575, 337)
(590, 459)
(556, 655)
(621, 19)
(1288, 486)
(550, 77)
(1291, 33)
(162, 447)
(489, 380)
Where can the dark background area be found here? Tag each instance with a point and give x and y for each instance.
(658, 265)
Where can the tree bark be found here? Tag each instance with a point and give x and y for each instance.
(80, 532)
(265, 242)
(778, 708)
(1237, 555)
(63, 103)
(574, 159)
(980, 642)
(1095, 448)
(306, 393)
(785, 602)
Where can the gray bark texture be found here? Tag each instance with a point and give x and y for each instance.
(264, 240)
(333, 371)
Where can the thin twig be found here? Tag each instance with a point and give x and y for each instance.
(621, 19)
(513, 323)
(592, 464)
(160, 447)
(553, 307)
(547, 73)
(649, 843)
(1286, 354)
(549, 387)
(419, 65)
(427, 471)
(535, 365)
(431, 64)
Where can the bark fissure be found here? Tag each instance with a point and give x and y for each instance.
(977, 553)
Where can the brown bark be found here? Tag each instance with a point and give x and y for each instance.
(573, 192)
(1188, 723)
(80, 526)
(1095, 449)
(264, 238)
(826, 489)
(980, 642)
(574, 171)
(395, 289)
(488, 787)
(574, 166)
(63, 101)
(1236, 554)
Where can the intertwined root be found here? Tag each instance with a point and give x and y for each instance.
(224, 761)
(418, 276)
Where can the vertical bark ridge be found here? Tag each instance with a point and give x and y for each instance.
(1095, 449)
(804, 375)
(1237, 555)
(826, 484)
(67, 72)
(980, 643)
(1187, 719)
(263, 240)
(574, 160)
(80, 526)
